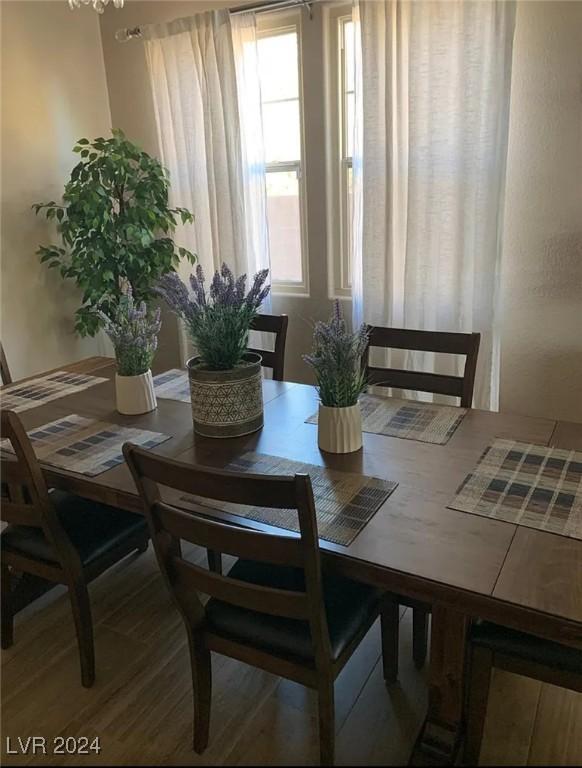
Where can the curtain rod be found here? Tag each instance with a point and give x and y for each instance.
(133, 33)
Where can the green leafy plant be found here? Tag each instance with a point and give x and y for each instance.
(337, 360)
(115, 225)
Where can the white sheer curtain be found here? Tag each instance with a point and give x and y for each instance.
(433, 145)
(204, 77)
(244, 40)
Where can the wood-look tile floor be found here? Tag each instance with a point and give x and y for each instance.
(141, 707)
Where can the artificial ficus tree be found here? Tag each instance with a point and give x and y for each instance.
(116, 226)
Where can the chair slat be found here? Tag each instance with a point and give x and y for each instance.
(14, 472)
(268, 358)
(445, 342)
(274, 602)
(221, 485)
(20, 514)
(419, 381)
(240, 542)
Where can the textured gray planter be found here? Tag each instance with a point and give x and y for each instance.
(227, 403)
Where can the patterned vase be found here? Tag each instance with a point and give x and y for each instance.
(227, 403)
(339, 430)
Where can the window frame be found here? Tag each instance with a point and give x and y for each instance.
(271, 25)
(339, 230)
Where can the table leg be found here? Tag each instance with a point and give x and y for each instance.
(439, 739)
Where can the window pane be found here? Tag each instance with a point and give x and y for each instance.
(350, 114)
(278, 67)
(349, 61)
(348, 229)
(281, 131)
(284, 226)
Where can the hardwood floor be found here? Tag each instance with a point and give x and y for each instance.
(141, 705)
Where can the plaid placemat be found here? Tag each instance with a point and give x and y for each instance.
(526, 484)
(173, 385)
(409, 419)
(344, 501)
(86, 446)
(35, 392)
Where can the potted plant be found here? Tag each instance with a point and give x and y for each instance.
(115, 224)
(225, 380)
(337, 362)
(133, 331)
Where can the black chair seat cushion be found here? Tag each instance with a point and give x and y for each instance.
(349, 607)
(93, 529)
(510, 642)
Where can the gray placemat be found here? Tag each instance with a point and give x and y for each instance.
(36, 392)
(344, 501)
(86, 446)
(409, 419)
(173, 385)
(526, 484)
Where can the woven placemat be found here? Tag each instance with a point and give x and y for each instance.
(86, 446)
(526, 484)
(173, 385)
(344, 501)
(409, 419)
(36, 392)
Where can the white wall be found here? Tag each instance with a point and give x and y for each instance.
(53, 92)
(541, 364)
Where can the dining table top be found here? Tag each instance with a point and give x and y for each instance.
(414, 545)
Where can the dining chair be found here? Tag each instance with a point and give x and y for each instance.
(276, 324)
(56, 537)
(275, 609)
(4, 369)
(464, 344)
(492, 646)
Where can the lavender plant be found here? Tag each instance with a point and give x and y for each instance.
(336, 360)
(218, 320)
(134, 333)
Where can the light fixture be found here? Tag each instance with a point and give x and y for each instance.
(98, 5)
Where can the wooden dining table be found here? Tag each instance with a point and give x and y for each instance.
(461, 565)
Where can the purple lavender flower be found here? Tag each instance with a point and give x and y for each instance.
(239, 289)
(134, 333)
(336, 360)
(218, 320)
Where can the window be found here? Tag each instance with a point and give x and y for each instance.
(347, 116)
(341, 115)
(279, 71)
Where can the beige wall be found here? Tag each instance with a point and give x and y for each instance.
(541, 367)
(53, 92)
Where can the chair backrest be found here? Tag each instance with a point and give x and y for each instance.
(4, 369)
(276, 324)
(466, 344)
(25, 497)
(168, 524)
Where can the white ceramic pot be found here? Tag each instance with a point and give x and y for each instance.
(135, 394)
(339, 429)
